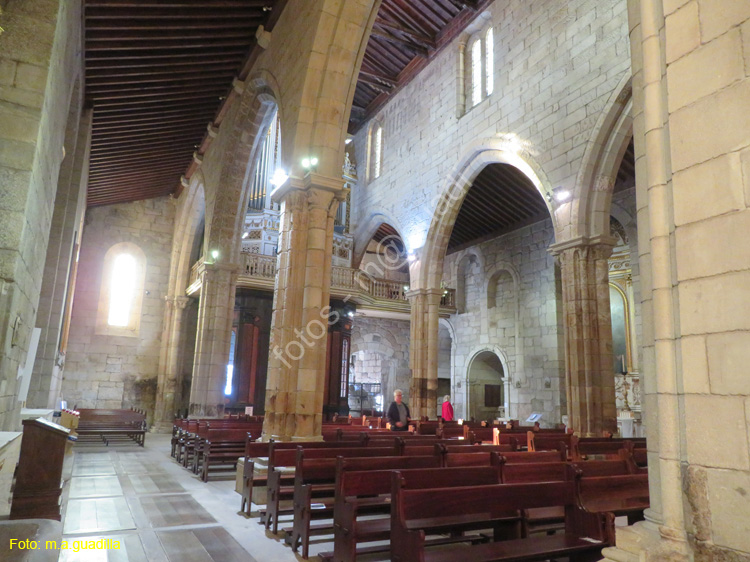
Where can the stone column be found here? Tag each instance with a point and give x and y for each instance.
(424, 347)
(215, 310)
(590, 382)
(168, 381)
(299, 326)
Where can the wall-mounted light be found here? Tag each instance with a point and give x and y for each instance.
(559, 194)
(308, 163)
(411, 256)
(406, 287)
(215, 254)
(348, 141)
(279, 177)
(350, 314)
(245, 235)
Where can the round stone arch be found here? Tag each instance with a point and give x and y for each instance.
(492, 277)
(225, 218)
(506, 150)
(367, 229)
(191, 215)
(590, 206)
(506, 379)
(473, 255)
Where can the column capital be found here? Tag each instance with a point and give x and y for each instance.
(413, 293)
(311, 181)
(214, 267)
(600, 240)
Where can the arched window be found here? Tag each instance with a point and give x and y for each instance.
(375, 164)
(121, 292)
(480, 70)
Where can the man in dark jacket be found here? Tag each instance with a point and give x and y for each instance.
(398, 412)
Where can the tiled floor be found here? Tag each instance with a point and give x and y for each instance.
(159, 511)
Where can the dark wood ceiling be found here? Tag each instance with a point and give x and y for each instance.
(626, 172)
(406, 35)
(500, 200)
(159, 71)
(156, 72)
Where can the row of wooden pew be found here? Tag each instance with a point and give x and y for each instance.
(203, 445)
(107, 426)
(423, 486)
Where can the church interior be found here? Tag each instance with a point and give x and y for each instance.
(231, 231)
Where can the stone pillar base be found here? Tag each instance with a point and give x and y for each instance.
(643, 542)
(161, 427)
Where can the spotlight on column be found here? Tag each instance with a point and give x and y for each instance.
(309, 163)
(245, 235)
(215, 254)
(411, 256)
(306, 163)
(350, 314)
(279, 177)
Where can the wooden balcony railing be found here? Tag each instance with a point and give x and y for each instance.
(260, 268)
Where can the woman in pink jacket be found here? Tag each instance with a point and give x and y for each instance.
(447, 409)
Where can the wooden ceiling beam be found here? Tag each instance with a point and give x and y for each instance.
(125, 177)
(207, 7)
(416, 36)
(136, 135)
(224, 74)
(154, 123)
(147, 23)
(138, 59)
(472, 5)
(178, 45)
(159, 109)
(125, 168)
(166, 34)
(387, 80)
(418, 50)
(159, 73)
(157, 102)
(137, 159)
(136, 91)
(142, 149)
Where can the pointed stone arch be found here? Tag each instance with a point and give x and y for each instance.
(456, 186)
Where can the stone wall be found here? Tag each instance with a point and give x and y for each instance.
(511, 309)
(40, 60)
(106, 371)
(556, 64)
(381, 350)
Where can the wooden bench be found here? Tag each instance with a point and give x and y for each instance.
(109, 425)
(556, 441)
(255, 450)
(190, 444)
(220, 447)
(602, 448)
(626, 495)
(358, 482)
(277, 488)
(315, 479)
(413, 516)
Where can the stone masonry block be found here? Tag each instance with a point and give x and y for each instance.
(682, 31)
(728, 499)
(705, 70)
(723, 442)
(692, 264)
(709, 189)
(728, 356)
(717, 16)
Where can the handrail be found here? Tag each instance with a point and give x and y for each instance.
(257, 266)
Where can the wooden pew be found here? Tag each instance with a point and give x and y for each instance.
(255, 450)
(222, 447)
(626, 495)
(278, 491)
(548, 441)
(413, 515)
(358, 482)
(582, 448)
(110, 425)
(191, 446)
(316, 479)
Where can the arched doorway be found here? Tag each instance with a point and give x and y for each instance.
(487, 392)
